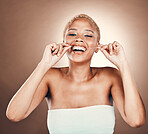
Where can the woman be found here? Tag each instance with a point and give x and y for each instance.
(81, 96)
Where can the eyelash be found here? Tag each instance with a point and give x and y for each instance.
(71, 34)
(88, 36)
(84, 35)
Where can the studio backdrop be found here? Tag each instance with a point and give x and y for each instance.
(27, 26)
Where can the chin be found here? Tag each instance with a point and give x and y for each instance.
(79, 58)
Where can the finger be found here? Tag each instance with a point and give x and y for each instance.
(106, 54)
(114, 48)
(110, 48)
(117, 46)
(60, 50)
(51, 45)
(99, 46)
(56, 50)
(54, 45)
(104, 47)
(48, 49)
(65, 50)
(116, 43)
(65, 45)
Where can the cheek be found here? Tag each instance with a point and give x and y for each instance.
(91, 40)
(69, 39)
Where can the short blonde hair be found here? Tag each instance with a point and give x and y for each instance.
(85, 17)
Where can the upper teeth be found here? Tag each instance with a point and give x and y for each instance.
(79, 48)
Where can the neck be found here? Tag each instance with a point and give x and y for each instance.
(79, 71)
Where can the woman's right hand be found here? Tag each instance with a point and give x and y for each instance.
(53, 53)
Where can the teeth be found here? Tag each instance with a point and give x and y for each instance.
(78, 48)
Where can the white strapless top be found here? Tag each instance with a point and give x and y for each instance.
(97, 119)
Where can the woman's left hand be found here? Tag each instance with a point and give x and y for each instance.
(114, 53)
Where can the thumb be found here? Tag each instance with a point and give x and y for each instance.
(65, 50)
(106, 54)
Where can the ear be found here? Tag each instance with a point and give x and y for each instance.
(97, 47)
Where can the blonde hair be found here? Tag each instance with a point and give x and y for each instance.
(85, 17)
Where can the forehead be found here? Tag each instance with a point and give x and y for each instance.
(82, 23)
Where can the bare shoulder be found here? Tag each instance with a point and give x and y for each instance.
(110, 73)
(55, 70)
(56, 73)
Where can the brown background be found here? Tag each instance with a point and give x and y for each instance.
(27, 26)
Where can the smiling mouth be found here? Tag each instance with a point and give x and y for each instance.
(78, 48)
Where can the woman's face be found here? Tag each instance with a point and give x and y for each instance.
(82, 36)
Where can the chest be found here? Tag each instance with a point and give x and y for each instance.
(66, 93)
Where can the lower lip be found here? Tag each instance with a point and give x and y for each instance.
(76, 52)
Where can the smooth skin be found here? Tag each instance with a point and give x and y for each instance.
(80, 85)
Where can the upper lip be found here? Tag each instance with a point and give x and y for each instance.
(79, 45)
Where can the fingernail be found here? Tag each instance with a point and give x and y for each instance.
(58, 55)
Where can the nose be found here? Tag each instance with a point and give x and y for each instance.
(79, 40)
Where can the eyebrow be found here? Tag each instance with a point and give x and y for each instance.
(72, 29)
(85, 30)
(89, 30)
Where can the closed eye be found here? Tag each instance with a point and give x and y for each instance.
(71, 34)
(88, 36)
